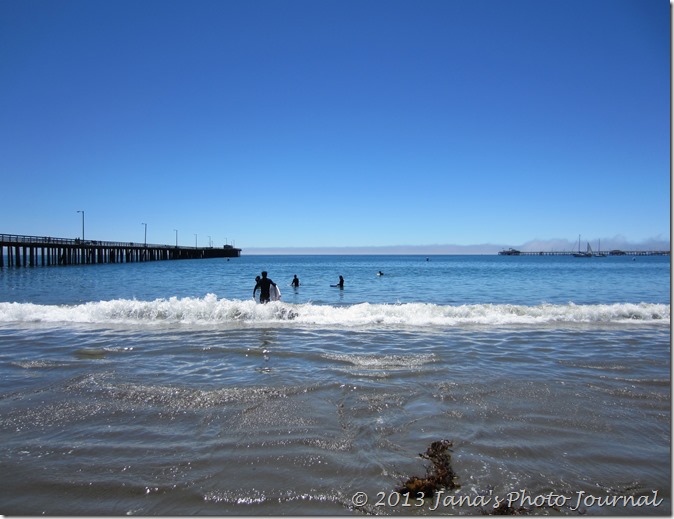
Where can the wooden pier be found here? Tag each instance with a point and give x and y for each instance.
(30, 251)
(514, 252)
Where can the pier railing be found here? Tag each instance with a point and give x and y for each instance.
(18, 250)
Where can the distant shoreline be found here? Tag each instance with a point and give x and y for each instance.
(443, 250)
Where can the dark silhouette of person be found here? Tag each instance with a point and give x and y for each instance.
(295, 282)
(340, 284)
(263, 284)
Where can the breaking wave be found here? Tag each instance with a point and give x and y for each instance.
(211, 310)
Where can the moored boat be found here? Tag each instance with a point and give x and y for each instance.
(580, 254)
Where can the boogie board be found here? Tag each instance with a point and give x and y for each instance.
(274, 293)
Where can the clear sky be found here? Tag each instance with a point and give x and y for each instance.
(333, 123)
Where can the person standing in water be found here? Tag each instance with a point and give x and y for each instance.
(263, 284)
(295, 282)
(340, 284)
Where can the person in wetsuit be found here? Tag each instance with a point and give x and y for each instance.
(295, 282)
(263, 284)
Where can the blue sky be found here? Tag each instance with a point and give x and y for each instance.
(336, 123)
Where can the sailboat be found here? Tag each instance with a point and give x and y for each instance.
(599, 253)
(586, 254)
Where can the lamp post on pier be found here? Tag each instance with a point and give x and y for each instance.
(145, 243)
(82, 223)
(176, 230)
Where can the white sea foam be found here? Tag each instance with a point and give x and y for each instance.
(212, 310)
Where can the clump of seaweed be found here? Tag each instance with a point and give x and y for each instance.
(505, 509)
(439, 475)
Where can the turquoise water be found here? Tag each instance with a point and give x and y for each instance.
(163, 389)
(443, 280)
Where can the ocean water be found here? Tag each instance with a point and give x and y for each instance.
(163, 388)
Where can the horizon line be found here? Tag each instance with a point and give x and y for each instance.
(453, 249)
